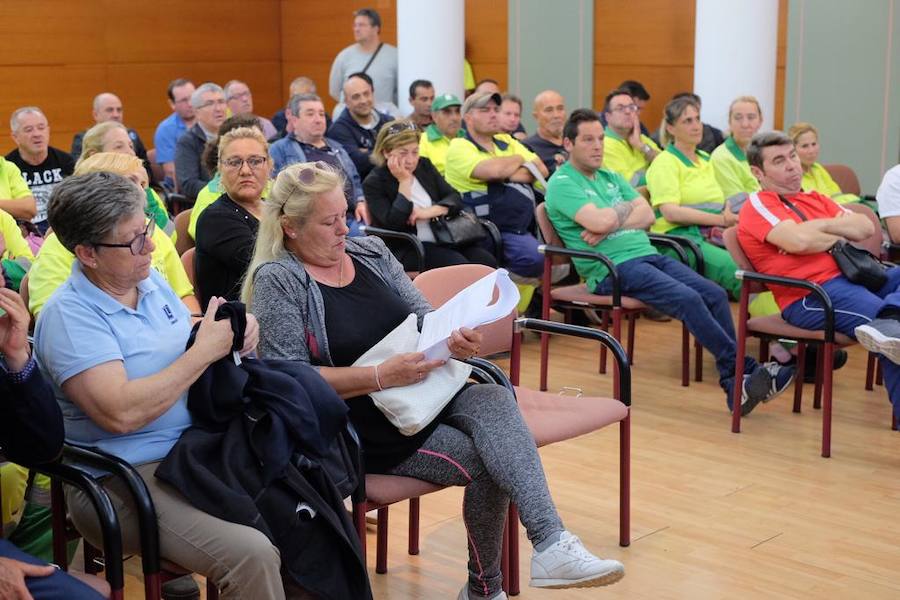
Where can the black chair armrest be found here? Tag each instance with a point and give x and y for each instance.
(409, 238)
(548, 250)
(685, 244)
(175, 202)
(603, 337)
(487, 372)
(813, 288)
(106, 515)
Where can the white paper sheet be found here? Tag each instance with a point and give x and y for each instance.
(471, 308)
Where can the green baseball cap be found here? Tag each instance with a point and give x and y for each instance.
(445, 100)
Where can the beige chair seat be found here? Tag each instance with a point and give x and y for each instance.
(552, 418)
(579, 294)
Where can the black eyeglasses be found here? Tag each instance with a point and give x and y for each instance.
(401, 126)
(236, 162)
(137, 244)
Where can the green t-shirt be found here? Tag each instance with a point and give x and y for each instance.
(567, 191)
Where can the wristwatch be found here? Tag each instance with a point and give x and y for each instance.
(646, 149)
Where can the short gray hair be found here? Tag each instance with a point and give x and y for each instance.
(14, 119)
(197, 96)
(765, 140)
(85, 209)
(298, 99)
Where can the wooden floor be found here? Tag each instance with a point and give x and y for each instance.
(714, 514)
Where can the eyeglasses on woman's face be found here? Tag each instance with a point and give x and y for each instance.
(137, 244)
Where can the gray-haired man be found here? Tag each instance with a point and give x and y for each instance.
(209, 105)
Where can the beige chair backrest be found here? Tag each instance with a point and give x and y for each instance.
(874, 242)
(845, 177)
(439, 285)
(548, 232)
(183, 240)
(187, 259)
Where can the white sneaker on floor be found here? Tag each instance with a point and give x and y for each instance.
(567, 564)
(464, 594)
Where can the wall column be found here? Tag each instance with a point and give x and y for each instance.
(735, 54)
(431, 40)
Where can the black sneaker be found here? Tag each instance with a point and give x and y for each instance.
(781, 376)
(756, 388)
(810, 367)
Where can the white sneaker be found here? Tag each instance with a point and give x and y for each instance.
(464, 594)
(568, 564)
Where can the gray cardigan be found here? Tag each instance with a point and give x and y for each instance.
(288, 304)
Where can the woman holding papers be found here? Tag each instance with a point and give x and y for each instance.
(325, 299)
(405, 192)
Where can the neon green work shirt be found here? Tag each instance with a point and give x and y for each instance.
(733, 173)
(463, 156)
(15, 244)
(673, 179)
(12, 184)
(433, 145)
(53, 266)
(619, 156)
(818, 179)
(567, 191)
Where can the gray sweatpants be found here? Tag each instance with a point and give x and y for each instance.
(484, 444)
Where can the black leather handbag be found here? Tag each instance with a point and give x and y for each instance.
(858, 265)
(462, 229)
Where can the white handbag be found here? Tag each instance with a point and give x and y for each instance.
(411, 408)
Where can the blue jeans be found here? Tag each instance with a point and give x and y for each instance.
(59, 585)
(678, 291)
(520, 254)
(854, 305)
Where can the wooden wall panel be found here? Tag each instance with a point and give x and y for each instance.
(781, 61)
(487, 35)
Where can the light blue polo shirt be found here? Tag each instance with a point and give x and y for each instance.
(166, 137)
(81, 327)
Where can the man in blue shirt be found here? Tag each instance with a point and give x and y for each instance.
(172, 127)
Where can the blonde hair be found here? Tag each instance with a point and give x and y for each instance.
(112, 162)
(801, 127)
(292, 199)
(92, 142)
(386, 142)
(749, 100)
(243, 133)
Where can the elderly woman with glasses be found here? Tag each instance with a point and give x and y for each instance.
(226, 231)
(112, 341)
(325, 299)
(53, 263)
(404, 192)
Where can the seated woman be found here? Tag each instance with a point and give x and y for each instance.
(815, 176)
(404, 192)
(325, 299)
(112, 340)
(226, 231)
(112, 136)
(16, 257)
(729, 159)
(53, 264)
(211, 192)
(685, 194)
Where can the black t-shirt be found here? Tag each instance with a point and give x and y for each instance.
(42, 178)
(226, 235)
(358, 316)
(546, 150)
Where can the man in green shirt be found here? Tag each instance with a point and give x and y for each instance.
(595, 209)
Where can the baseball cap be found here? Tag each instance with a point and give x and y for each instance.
(481, 100)
(444, 100)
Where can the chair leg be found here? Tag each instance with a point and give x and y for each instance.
(545, 314)
(212, 592)
(698, 360)
(763, 350)
(798, 377)
(827, 372)
(381, 541)
(685, 356)
(631, 327)
(414, 526)
(512, 528)
(625, 480)
(870, 370)
(820, 371)
(359, 523)
(91, 554)
(737, 392)
(879, 374)
(604, 325)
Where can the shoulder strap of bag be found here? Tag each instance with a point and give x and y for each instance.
(372, 58)
(791, 206)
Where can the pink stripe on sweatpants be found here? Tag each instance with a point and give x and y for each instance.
(468, 535)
